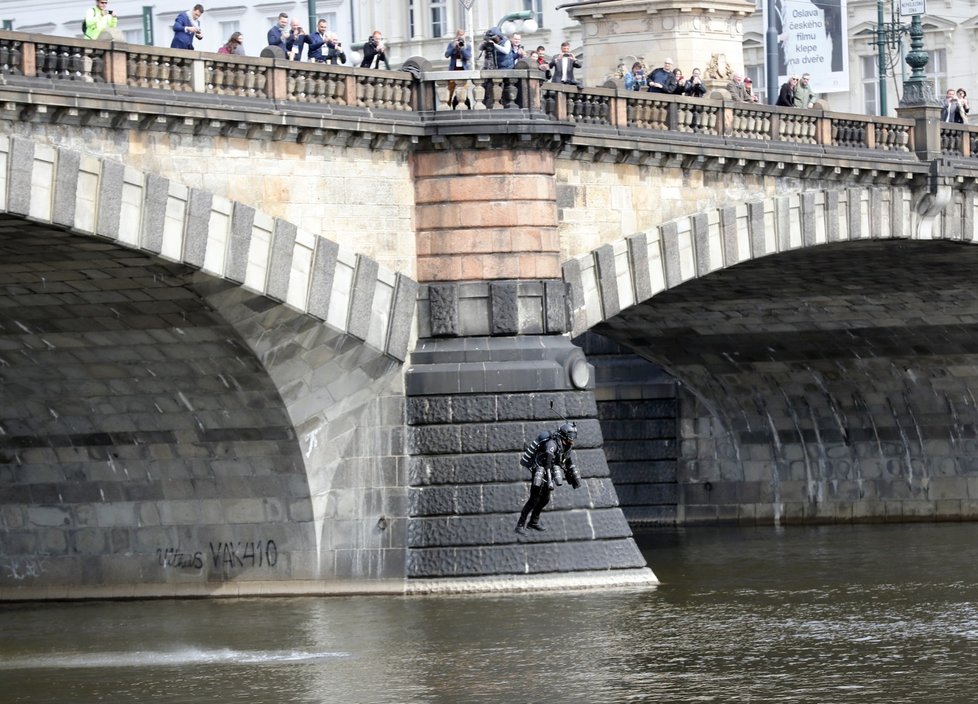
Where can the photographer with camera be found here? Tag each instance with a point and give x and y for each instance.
(99, 19)
(334, 51)
(563, 66)
(317, 41)
(374, 52)
(458, 53)
(497, 50)
(186, 28)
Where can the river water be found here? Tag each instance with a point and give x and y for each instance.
(827, 614)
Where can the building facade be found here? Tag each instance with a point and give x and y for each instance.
(950, 38)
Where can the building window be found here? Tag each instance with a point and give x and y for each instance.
(536, 7)
(870, 85)
(936, 71)
(412, 26)
(439, 18)
(230, 27)
(133, 36)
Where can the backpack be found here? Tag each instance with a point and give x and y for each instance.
(528, 458)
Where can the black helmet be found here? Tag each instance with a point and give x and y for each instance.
(568, 431)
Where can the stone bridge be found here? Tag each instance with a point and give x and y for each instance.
(272, 328)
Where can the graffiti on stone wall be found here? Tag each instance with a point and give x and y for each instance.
(250, 554)
(180, 559)
(24, 569)
(224, 556)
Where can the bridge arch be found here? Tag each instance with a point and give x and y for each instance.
(831, 379)
(162, 491)
(636, 268)
(102, 198)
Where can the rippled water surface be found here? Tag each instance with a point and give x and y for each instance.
(834, 614)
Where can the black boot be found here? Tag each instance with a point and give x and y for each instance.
(521, 528)
(536, 526)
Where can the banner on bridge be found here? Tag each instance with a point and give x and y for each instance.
(812, 38)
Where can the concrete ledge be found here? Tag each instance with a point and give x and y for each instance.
(606, 579)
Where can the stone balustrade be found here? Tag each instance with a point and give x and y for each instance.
(66, 63)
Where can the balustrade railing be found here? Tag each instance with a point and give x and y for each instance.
(959, 140)
(122, 67)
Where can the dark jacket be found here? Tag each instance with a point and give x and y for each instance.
(278, 37)
(182, 39)
(372, 56)
(316, 42)
(563, 70)
(786, 97)
(694, 90)
(335, 54)
(664, 78)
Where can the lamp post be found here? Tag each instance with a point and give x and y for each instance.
(881, 43)
(771, 52)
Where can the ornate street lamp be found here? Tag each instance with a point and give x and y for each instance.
(917, 90)
(508, 23)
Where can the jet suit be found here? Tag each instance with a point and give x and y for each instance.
(551, 463)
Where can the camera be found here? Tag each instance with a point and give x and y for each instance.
(111, 12)
(460, 42)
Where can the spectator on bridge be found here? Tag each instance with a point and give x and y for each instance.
(538, 58)
(459, 53)
(563, 66)
(752, 97)
(804, 98)
(737, 90)
(186, 28)
(517, 50)
(694, 87)
(316, 41)
(635, 79)
(278, 35)
(786, 97)
(99, 19)
(334, 51)
(663, 80)
(680, 82)
(295, 42)
(951, 108)
(374, 52)
(234, 45)
(963, 102)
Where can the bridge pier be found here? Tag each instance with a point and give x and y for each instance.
(492, 364)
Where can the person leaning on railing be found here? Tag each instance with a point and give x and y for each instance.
(99, 19)
(235, 45)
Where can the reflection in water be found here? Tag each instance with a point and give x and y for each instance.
(842, 613)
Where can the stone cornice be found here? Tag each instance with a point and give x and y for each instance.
(116, 86)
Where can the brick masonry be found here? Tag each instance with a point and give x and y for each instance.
(485, 215)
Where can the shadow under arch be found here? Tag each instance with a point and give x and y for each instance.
(829, 380)
(329, 348)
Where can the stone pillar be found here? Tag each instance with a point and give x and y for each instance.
(493, 367)
(486, 215)
(693, 36)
